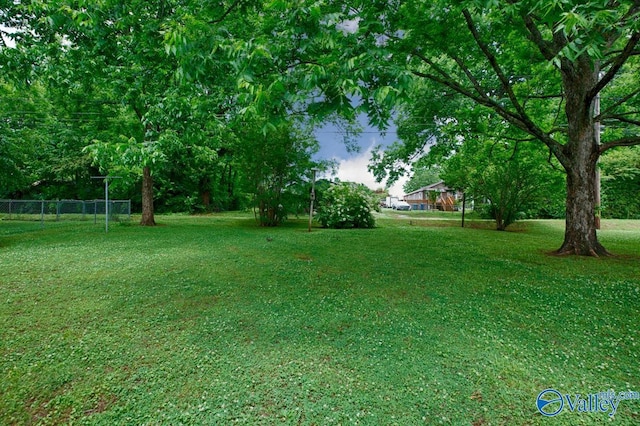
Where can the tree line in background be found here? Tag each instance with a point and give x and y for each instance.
(52, 146)
(149, 92)
(211, 105)
(522, 183)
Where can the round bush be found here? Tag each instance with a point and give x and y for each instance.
(347, 205)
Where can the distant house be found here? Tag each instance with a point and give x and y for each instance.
(436, 196)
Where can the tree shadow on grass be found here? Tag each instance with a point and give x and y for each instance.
(488, 225)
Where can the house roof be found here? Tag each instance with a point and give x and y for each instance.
(438, 186)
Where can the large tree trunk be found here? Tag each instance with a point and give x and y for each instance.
(579, 159)
(147, 198)
(580, 231)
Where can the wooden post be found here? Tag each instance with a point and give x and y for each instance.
(312, 196)
(464, 203)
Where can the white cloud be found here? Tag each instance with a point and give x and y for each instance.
(355, 170)
(349, 26)
(4, 33)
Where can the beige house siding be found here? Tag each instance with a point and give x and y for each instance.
(445, 199)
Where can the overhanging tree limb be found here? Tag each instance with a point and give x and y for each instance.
(522, 117)
(621, 118)
(523, 123)
(632, 13)
(478, 96)
(616, 65)
(504, 81)
(548, 49)
(605, 113)
(226, 13)
(630, 141)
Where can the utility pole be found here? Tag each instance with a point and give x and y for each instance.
(597, 128)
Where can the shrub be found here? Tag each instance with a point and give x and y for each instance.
(347, 205)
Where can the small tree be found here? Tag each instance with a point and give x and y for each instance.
(512, 179)
(347, 205)
(275, 161)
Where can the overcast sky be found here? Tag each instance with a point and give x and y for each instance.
(353, 166)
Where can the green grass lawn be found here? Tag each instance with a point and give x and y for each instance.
(212, 320)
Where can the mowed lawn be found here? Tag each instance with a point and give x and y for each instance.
(212, 320)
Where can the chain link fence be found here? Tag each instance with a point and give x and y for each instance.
(57, 210)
